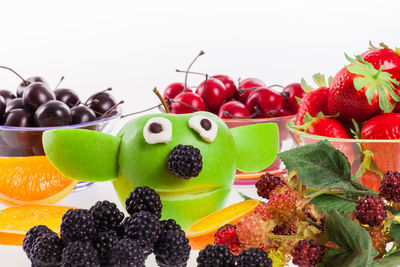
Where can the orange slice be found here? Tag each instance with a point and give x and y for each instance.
(32, 180)
(202, 232)
(16, 221)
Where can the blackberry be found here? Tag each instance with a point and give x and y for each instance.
(307, 253)
(185, 161)
(126, 252)
(106, 216)
(77, 224)
(371, 210)
(80, 253)
(31, 236)
(143, 198)
(227, 236)
(254, 257)
(103, 243)
(215, 256)
(390, 186)
(172, 249)
(46, 250)
(267, 183)
(143, 227)
(169, 225)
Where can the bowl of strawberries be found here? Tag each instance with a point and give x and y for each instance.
(358, 112)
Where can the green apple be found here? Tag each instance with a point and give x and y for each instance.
(138, 156)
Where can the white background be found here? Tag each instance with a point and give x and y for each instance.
(136, 45)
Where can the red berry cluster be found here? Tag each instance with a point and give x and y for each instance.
(267, 183)
(307, 253)
(390, 186)
(371, 210)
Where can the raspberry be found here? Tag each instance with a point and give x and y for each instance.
(80, 253)
(390, 186)
(143, 198)
(103, 242)
(281, 229)
(227, 236)
(77, 224)
(46, 250)
(126, 252)
(31, 236)
(254, 257)
(143, 227)
(185, 161)
(371, 210)
(169, 225)
(267, 183)
(106, 216)
(172, 249)
(250, 231)
(215, 256)
(307, 253)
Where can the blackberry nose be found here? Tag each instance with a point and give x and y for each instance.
(185, 161)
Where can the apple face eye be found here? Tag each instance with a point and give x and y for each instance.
(205, 127)
(157, 130)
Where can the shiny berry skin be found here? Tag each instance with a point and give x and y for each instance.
(68, 96)
(52, 113)
(174, 89)
(227, 236)
(34, 79)
(265, 101)
(307, 253)
(215, 256)
(8, 95)
(254, 257)
(233, 109)
(313, 102)
(390, 186)
(101, 103)
(371, 210)
(247, 84)
(19, 118)
(143, 198)
(387, 58)
(193, 103)
(14, 104)
(36, 94)
(82, 114)
(213, 92)
(2, 107)
(285, 112)
(230, 86)
(267, 183)
(291, 92)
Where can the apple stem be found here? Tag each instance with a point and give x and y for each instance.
(62, 78)
(138, 112)
(105, 114)
(162, 100)
(191, 72)
(95, 94)
(187, 71)
(16, 73)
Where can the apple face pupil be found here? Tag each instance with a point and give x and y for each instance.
(206, 124)
(155, 127)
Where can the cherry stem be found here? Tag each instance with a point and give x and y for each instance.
(187, 71)
(62, 78)
(180, 102)
(138, 112)
(275, 85)
(161, 99)
(105, 114)
(7, 68)
(241, 91)
(95, 94)
(191, 72)
(204, 92)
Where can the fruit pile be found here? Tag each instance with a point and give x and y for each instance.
(219, 94)
(101, 236)
(36, 104)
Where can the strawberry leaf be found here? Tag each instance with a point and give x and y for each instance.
(330, 79)
(319, 80)
(306, 88)
(355, 245)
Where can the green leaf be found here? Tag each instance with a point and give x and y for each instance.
(306, 88)
(330, 202)
(395, 231)
(393, 260)
(355, 245)
(319, 80)
(245, 197)
(319, 165)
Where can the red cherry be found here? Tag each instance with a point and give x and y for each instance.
(285, 112)
(213, 95)
(265, 101)
(233, 109)
(174, 89)
(246, 84)
(291, 93)
(187, 103)
(230, 86)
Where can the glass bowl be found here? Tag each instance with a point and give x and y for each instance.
(369, 158)
(27, 141)
(286, 142)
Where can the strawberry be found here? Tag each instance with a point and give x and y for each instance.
(383, 127)
(366, 87)
(315, 101)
